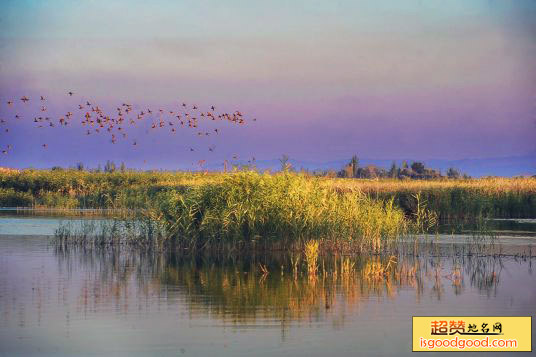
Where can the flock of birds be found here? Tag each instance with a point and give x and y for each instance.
(95, 120)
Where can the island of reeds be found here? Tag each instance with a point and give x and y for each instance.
(247, 208)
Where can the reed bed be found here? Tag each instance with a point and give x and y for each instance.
(270, 211)
(452, 200)
(266, 210)
(83, 189)
(257, 211)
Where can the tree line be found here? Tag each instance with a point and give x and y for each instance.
(415, 170)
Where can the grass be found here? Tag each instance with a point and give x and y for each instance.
(450, 199)
(9, 197)
(276, 210)
(89, 233)
(453, 200)
(311, 257)
(259, 211)
(270, 211)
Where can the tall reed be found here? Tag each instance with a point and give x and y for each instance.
(450, 199)
(311, 257)
(284, 209)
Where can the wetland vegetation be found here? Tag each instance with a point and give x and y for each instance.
(264, 210)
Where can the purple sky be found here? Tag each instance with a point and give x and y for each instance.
(383, 79)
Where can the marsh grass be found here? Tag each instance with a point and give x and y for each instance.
(247, 209)
(425, 220)
(451, 200)
(311, 257)
(269, 211)
(253, 211)
(90, 233)
(68, 212)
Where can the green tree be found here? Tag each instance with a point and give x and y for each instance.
(393, 171)
(354, 165)
(453, 173)
(285, 164)
(418, 167)
(109, 167)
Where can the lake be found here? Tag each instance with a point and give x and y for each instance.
(124, 302)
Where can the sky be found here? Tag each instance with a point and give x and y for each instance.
(325, 79)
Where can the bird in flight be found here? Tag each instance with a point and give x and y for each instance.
(97, 121)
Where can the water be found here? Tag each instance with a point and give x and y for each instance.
(110, 302)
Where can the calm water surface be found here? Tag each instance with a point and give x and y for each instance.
(77, 302)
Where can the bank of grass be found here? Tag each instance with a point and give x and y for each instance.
(276, 210)
(450, 199)
(12, 198)
(249, 210)
(83, 189)
(453, 200)
(198, 210)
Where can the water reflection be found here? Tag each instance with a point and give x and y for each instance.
(126, 301)
(238, 289)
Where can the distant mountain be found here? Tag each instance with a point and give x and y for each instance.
(498, 166)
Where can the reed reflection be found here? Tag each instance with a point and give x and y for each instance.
(276, 287)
